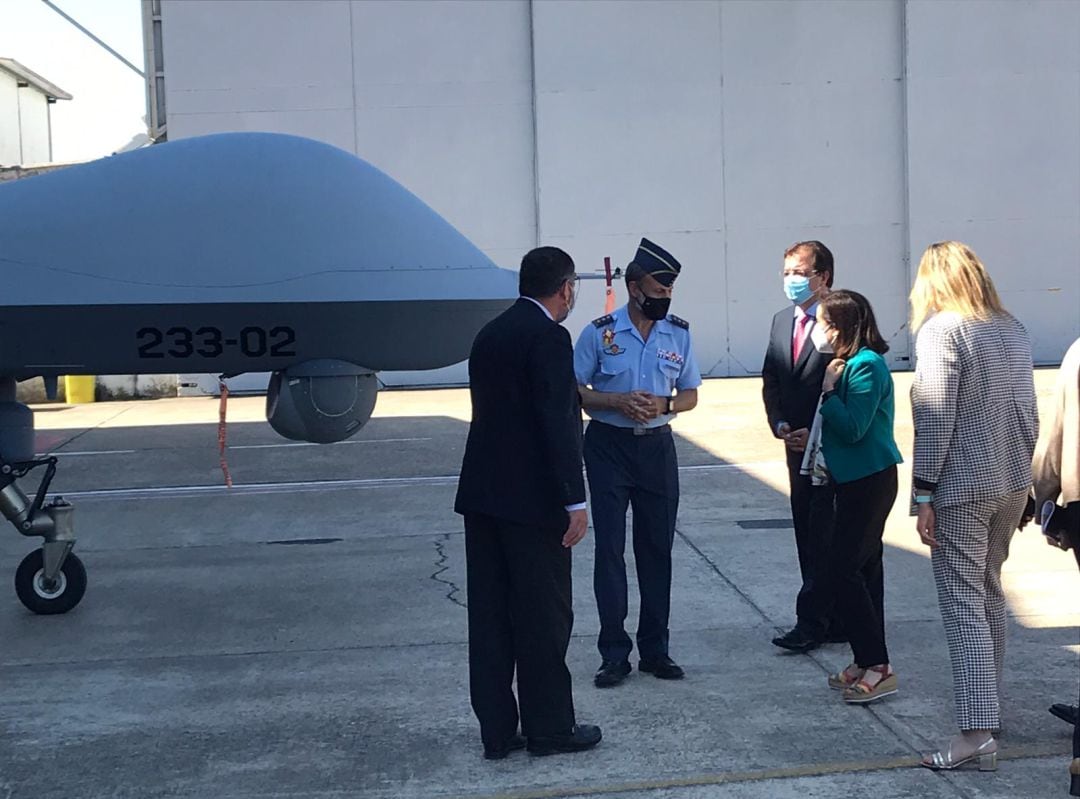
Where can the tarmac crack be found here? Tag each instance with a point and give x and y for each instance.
(874, 712)
(730, 583)
(80, 434)
(442, 564)
(877, 713)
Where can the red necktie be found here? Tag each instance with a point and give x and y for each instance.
(799, 339)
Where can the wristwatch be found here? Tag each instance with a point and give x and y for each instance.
(671, 405)
(920, 496)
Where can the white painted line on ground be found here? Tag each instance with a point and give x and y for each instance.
(258, 488)
(334, 444)
(711, 467)
(153, 492)
(62, 454)
(65, 454)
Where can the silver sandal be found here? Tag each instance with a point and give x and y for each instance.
(987, 760)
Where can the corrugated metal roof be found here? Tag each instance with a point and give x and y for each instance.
(50, 90)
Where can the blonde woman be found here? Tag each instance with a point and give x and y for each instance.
(976, 423)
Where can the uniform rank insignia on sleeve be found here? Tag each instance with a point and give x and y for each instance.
(678, 321)
(603, 320)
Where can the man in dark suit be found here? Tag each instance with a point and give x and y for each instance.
(792, 374)
(522, 494)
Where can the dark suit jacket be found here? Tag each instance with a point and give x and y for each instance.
(791, 391)
(523, 456)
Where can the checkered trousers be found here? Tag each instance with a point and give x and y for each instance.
(973, 543)
(973, 399)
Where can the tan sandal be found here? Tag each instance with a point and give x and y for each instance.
(847, 678)
(862, 692)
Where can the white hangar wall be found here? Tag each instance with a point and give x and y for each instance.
(724, 130)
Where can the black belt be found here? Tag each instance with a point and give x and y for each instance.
(634, 431)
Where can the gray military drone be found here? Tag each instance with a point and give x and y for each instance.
(233, 253)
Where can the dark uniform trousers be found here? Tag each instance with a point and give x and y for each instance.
(640, 471)
(812, 513)
(520, 611)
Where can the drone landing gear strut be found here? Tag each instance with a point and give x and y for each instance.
(51, 579)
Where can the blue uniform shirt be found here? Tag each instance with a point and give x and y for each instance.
(611, 356)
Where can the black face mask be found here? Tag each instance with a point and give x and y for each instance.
(654, 308)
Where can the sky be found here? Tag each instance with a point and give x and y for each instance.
(109, 100)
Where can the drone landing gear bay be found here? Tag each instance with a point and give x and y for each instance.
(51, 579)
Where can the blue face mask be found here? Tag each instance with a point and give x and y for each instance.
(797, 288)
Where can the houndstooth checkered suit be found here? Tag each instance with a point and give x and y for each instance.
(976, 422)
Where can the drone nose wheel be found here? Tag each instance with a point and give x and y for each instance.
(48, 597)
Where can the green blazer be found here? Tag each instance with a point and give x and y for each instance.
(857, 420)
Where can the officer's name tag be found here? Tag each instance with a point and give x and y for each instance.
(668, 355)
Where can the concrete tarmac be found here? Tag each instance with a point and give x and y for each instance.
(303, 634)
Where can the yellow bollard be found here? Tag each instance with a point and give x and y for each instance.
(79, 388)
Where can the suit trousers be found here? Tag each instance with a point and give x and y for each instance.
(812, 517)
(642, 472)
(520, 617)
(973, 543)
(862, 506)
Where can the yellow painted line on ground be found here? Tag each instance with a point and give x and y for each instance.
(733, 777)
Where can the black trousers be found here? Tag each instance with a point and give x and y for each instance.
(862, 506)
(641, 472)
(520, 617)
(812, 516)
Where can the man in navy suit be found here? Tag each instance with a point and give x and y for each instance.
(792, 374)
(522, 494)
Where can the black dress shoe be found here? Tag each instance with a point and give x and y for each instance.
(663, 667)
(580, 738)
(795, 640)
(513, 744)
(1066, 713)
(611, 673)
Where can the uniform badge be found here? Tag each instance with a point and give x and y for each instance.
(671, 357)
(610, 347)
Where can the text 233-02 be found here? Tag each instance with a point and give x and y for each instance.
(211, 342)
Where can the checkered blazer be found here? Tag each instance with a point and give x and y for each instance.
(973, 399)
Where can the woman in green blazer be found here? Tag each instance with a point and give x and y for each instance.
(860, 456)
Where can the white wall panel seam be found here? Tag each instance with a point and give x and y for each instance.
(909, 256)
(352, 75)
(535, 124)
(728, 356)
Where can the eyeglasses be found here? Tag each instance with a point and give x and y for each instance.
(794, 273)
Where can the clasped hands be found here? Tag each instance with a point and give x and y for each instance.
(640, 406)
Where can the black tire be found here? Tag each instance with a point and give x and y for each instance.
(72, 584)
